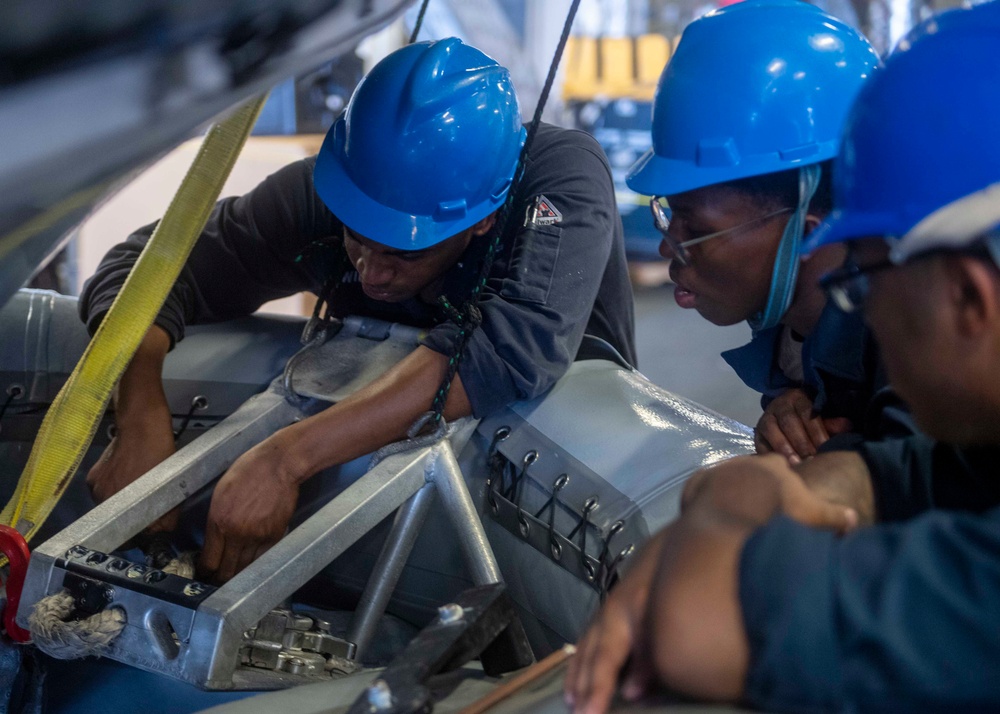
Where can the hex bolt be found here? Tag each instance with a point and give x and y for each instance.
(450, 613)
(379, 695)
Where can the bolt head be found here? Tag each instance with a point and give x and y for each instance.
(450, 613)
(379, 695)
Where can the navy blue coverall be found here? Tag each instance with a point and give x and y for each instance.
(902, 616)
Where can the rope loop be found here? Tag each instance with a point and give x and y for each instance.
(63, 638)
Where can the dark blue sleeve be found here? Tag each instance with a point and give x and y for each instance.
(899, 617)
(536, 308)
(914, 474)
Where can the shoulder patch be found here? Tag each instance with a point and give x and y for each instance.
(541, 212)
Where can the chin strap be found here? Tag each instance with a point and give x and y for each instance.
(786, 262)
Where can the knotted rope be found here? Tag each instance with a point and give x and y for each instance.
(57, 636)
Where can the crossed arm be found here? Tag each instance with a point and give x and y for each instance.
(675, 618)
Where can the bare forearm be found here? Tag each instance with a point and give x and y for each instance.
(697, 639)
(140, 390)
(377, 415)
(695, 627)
(699, 645)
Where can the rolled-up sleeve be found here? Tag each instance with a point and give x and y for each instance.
(539, 298)
(897, 617)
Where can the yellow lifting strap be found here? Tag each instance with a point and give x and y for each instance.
(70, 424)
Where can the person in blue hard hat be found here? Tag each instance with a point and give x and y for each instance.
(394, 213)
(746, 119)
(754, 594)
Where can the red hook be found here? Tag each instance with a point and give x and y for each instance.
(13, 545)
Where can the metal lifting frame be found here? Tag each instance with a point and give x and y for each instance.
(196, 632)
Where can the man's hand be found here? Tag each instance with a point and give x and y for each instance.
(251, 507)
(696, 641)
(601, 654)
(789, 427)
(674, 617)
(753, 489)
(254, 501)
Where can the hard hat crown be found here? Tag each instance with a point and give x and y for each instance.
(753, 88)
(427, 146)
(920, 163)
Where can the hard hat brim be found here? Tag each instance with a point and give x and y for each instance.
(654, 175)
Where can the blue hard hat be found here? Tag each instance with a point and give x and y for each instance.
(427, 146)
(753, 88)
(920, 164)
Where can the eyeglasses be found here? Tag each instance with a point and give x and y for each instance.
(848, 286)
(661, 219)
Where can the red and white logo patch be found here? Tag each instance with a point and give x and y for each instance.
(541, 212)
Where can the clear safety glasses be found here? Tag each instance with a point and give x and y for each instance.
(661, 219)
(848, 286)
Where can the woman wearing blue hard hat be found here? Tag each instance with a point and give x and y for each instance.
(757, 599)
(394, 215)
(747, 115)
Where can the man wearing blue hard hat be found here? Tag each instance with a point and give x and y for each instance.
(771, 589)
(747, 117)
(395, 213)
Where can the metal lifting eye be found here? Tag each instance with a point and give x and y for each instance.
(523, 525)
(530, 458)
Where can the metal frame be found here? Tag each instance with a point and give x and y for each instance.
(481, 622)
(196, 633)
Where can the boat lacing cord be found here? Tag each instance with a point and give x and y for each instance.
(198, 403)
(323, 323)
(12, 394)
(507, 481)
